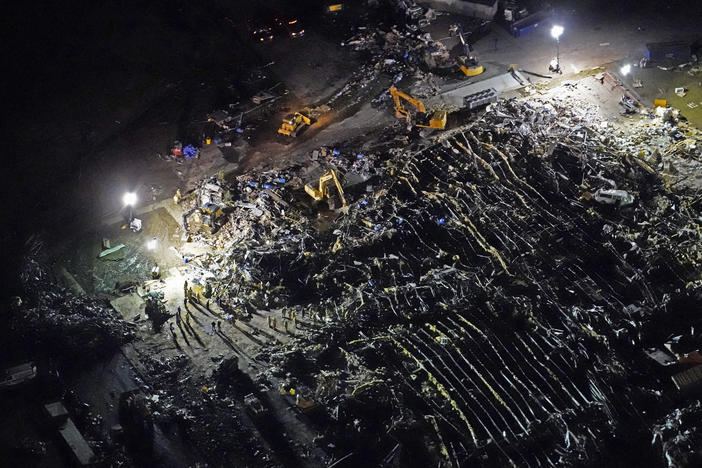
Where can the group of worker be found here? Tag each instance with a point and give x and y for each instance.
(287, 317)
(190, 296)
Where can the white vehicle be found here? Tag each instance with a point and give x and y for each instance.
(614, 197)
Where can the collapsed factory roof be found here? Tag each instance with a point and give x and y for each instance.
(519, 288)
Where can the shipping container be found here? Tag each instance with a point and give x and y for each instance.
(533, 21)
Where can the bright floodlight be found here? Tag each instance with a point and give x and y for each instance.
(152, 243)
(129, 198)
(625, 69)
(556, 31)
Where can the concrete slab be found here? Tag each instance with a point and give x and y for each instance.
(504, 83)
(82, 452)
(129, 306)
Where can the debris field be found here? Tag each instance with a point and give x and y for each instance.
(520, 288)
(475, 304)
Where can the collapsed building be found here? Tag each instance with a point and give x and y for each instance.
(497, 294)
(478, 303)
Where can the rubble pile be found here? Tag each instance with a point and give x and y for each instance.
(667, 143)
(678, 436)
(483, 304)
(73, 325)
(209, 417)
(395, 52)
(69, 325)
(390, 51)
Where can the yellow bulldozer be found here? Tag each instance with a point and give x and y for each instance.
(423, 119)
(293, 123)
(322, 191)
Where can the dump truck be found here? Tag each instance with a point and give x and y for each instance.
(17, 376)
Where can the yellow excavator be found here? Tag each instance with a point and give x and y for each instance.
(322, 192)
(293, 123)
(468, 63)
(469, 66)
(211, 215)
(436, 120)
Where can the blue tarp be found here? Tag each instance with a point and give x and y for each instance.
(190, 152)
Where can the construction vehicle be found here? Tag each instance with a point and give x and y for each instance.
(210, 215)
(210, 207)
(435, 120)
(469, 66)
(468, 63)
(293, 123)
(322, 192)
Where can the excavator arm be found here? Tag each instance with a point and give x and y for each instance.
(338, 187)
(437, 120)
(323, 191)
(400, 110)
